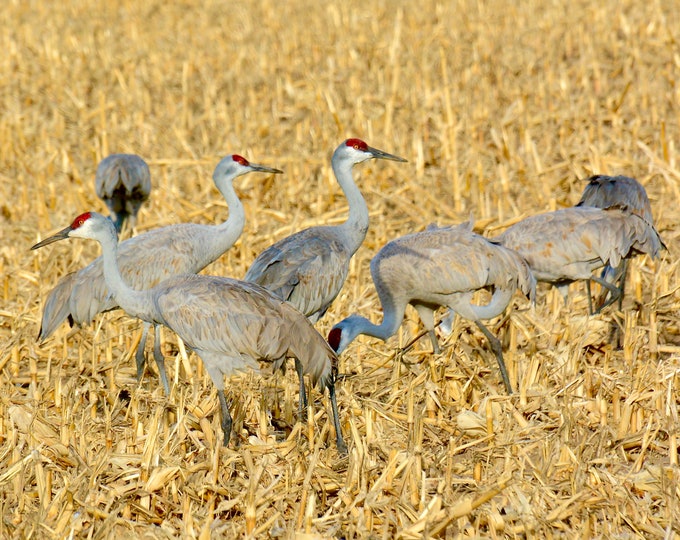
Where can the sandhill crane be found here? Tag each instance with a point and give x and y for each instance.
(309, 267)
(230, 324)
(569, 244)
(605, 191)
(123, 182)
(147, 259)
(440, 267)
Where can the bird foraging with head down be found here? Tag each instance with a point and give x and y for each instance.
(440, 267)
(608, 191)
(123, 182)
(568, 245)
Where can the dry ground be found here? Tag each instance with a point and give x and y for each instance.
(501, 108)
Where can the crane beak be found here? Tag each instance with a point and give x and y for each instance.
(379, 154)
(262, 168)
(61, 235)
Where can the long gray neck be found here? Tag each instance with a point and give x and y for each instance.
(134, 303)
(392, 317)
(356, 226)
(385, 330)
(227, 232)
(499, 301)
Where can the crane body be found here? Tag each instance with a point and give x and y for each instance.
(230, 324)
(568, 245)
(147, 259)
(440, 267)
(309, 268)
(607, 191)
(123, 182)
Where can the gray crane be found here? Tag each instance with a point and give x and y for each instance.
(123, 182)
(309, 267)
(605, 191)
(147, 259)
(440, 267)
(569, 244)
(230, 324)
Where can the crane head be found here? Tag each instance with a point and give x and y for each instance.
(356, 151)
(234, 165)
(343, 333)
(84, 226)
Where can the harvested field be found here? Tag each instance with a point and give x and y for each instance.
(502, 109)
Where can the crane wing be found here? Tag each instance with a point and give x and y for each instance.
(56, 309)
(440, 261)
(308, 269)
(223, 316)
(607, 191)
(569, 244)
(144, 261)
(127, 171)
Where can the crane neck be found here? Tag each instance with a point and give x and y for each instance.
(134, 303)
(356, 226)
(230, 230)
(356, 324)
(499, 301)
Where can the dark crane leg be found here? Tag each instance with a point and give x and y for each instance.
(498, 351)
(616, 294)
(160, 361)
(225, 417)
(339, 441)
(140, 357)
(302, 404)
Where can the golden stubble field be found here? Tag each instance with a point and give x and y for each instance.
(502, 110)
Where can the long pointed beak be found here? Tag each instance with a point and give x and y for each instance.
(379, 154)
(262, 168)
(61, 235)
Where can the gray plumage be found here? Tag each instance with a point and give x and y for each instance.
(440, 267)
(230, 324)
(123, 182)
(147, 259)
(309, 268)
(606, 191)
(570, 244)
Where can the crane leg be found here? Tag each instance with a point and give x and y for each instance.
(339, 441)
(498, 351)
(615, 292)
(590, 296)
(622, 281)
(160, 361)
(140, 358)
(618, 275)
(302, 404)
(426, 315)
(435, 341)
(225, 417)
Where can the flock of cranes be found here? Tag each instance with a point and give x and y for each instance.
(233, 325)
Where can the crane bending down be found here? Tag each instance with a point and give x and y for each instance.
(440, 267)
(230, 324)
(605, 191)
(309, 268)
(123, 182)
(569, 244)
(147, 259)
